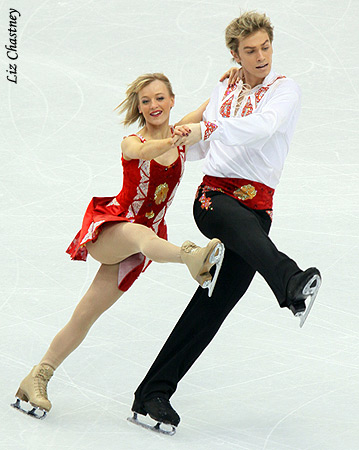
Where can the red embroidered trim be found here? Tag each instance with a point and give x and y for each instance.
(248, 108)
(229, 90)
(205, 202)
(210, 128)
(259, 94)
(225, 109)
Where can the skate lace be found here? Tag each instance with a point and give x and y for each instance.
(42, 378)
(188, 247)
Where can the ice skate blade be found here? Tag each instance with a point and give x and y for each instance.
(32, 412)
(156, 428)
(312, 293)
(216, 258)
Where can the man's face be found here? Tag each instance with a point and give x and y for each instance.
(254, 54)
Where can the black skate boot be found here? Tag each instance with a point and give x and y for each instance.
(160, 410)
(301, 286)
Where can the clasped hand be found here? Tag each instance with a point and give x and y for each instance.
(187, 135)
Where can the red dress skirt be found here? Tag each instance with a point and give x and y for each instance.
(147, 192)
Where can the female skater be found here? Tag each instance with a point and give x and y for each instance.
(125, 233)
(245, 133)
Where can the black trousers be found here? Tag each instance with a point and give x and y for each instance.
(244, 233)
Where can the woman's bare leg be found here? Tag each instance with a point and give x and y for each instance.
(101, 295)
(115, 243)
(118, 241)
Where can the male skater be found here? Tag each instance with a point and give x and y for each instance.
(245, 130)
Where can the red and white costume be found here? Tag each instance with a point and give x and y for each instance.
(147, 192)
(245, 145)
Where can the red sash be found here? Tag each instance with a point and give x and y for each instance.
(251, 193)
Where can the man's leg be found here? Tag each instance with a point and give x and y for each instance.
(245, 232)
(194, 331)
(248, 248)
(245, 235)
(203, 316)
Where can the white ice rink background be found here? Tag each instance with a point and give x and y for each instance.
(262, 384)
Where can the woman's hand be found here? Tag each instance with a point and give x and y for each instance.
(188, 134)
(234, 75)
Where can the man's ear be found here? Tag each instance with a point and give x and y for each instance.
(236, 57)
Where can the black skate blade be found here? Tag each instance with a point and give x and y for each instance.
(217, 259)
(312, 293)
(31, 412)
(156, 428)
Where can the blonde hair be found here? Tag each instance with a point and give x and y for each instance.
(130, 104)
(245, 25)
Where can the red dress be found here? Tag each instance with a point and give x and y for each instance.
(147, 192)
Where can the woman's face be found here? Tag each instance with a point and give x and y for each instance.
(155, 103)
(254, 54)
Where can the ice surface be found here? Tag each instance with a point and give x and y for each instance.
(263, 384)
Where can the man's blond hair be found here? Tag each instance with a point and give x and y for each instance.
(245, 25)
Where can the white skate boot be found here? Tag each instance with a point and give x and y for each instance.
(200, 260)
(33, 389)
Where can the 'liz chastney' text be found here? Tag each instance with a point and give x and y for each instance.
(12, 51)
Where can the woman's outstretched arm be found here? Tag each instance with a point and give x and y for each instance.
(132, 148)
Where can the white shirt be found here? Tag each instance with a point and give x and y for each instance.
(254, 143)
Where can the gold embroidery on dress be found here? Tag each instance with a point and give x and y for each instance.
(150, 215)
(161, 193)
(245, 192)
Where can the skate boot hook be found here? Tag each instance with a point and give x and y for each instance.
(200, 260)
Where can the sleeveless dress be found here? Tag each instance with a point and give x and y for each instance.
(148, 190)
